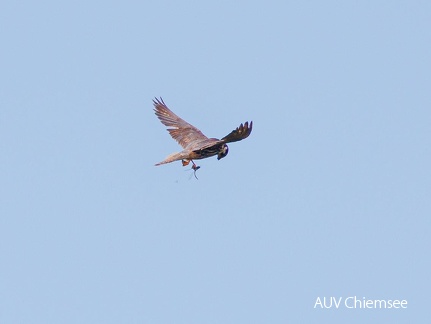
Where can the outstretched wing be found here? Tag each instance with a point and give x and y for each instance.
(241, 132)
(180, 130)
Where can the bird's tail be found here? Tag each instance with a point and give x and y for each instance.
(173, 157)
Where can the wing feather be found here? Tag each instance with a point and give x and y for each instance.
(241, 132)
(180, 130)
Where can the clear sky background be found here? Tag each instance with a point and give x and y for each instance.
(330, 196)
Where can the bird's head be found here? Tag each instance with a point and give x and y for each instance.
(224, 150)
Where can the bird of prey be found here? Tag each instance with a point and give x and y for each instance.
(195, 144)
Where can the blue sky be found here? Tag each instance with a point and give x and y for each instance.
(328, 197)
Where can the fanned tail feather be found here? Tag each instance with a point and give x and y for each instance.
(173, 157)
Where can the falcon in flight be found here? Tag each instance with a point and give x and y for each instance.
(195, 144)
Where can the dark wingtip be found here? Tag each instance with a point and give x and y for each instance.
(247, 127)
(156, 101)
